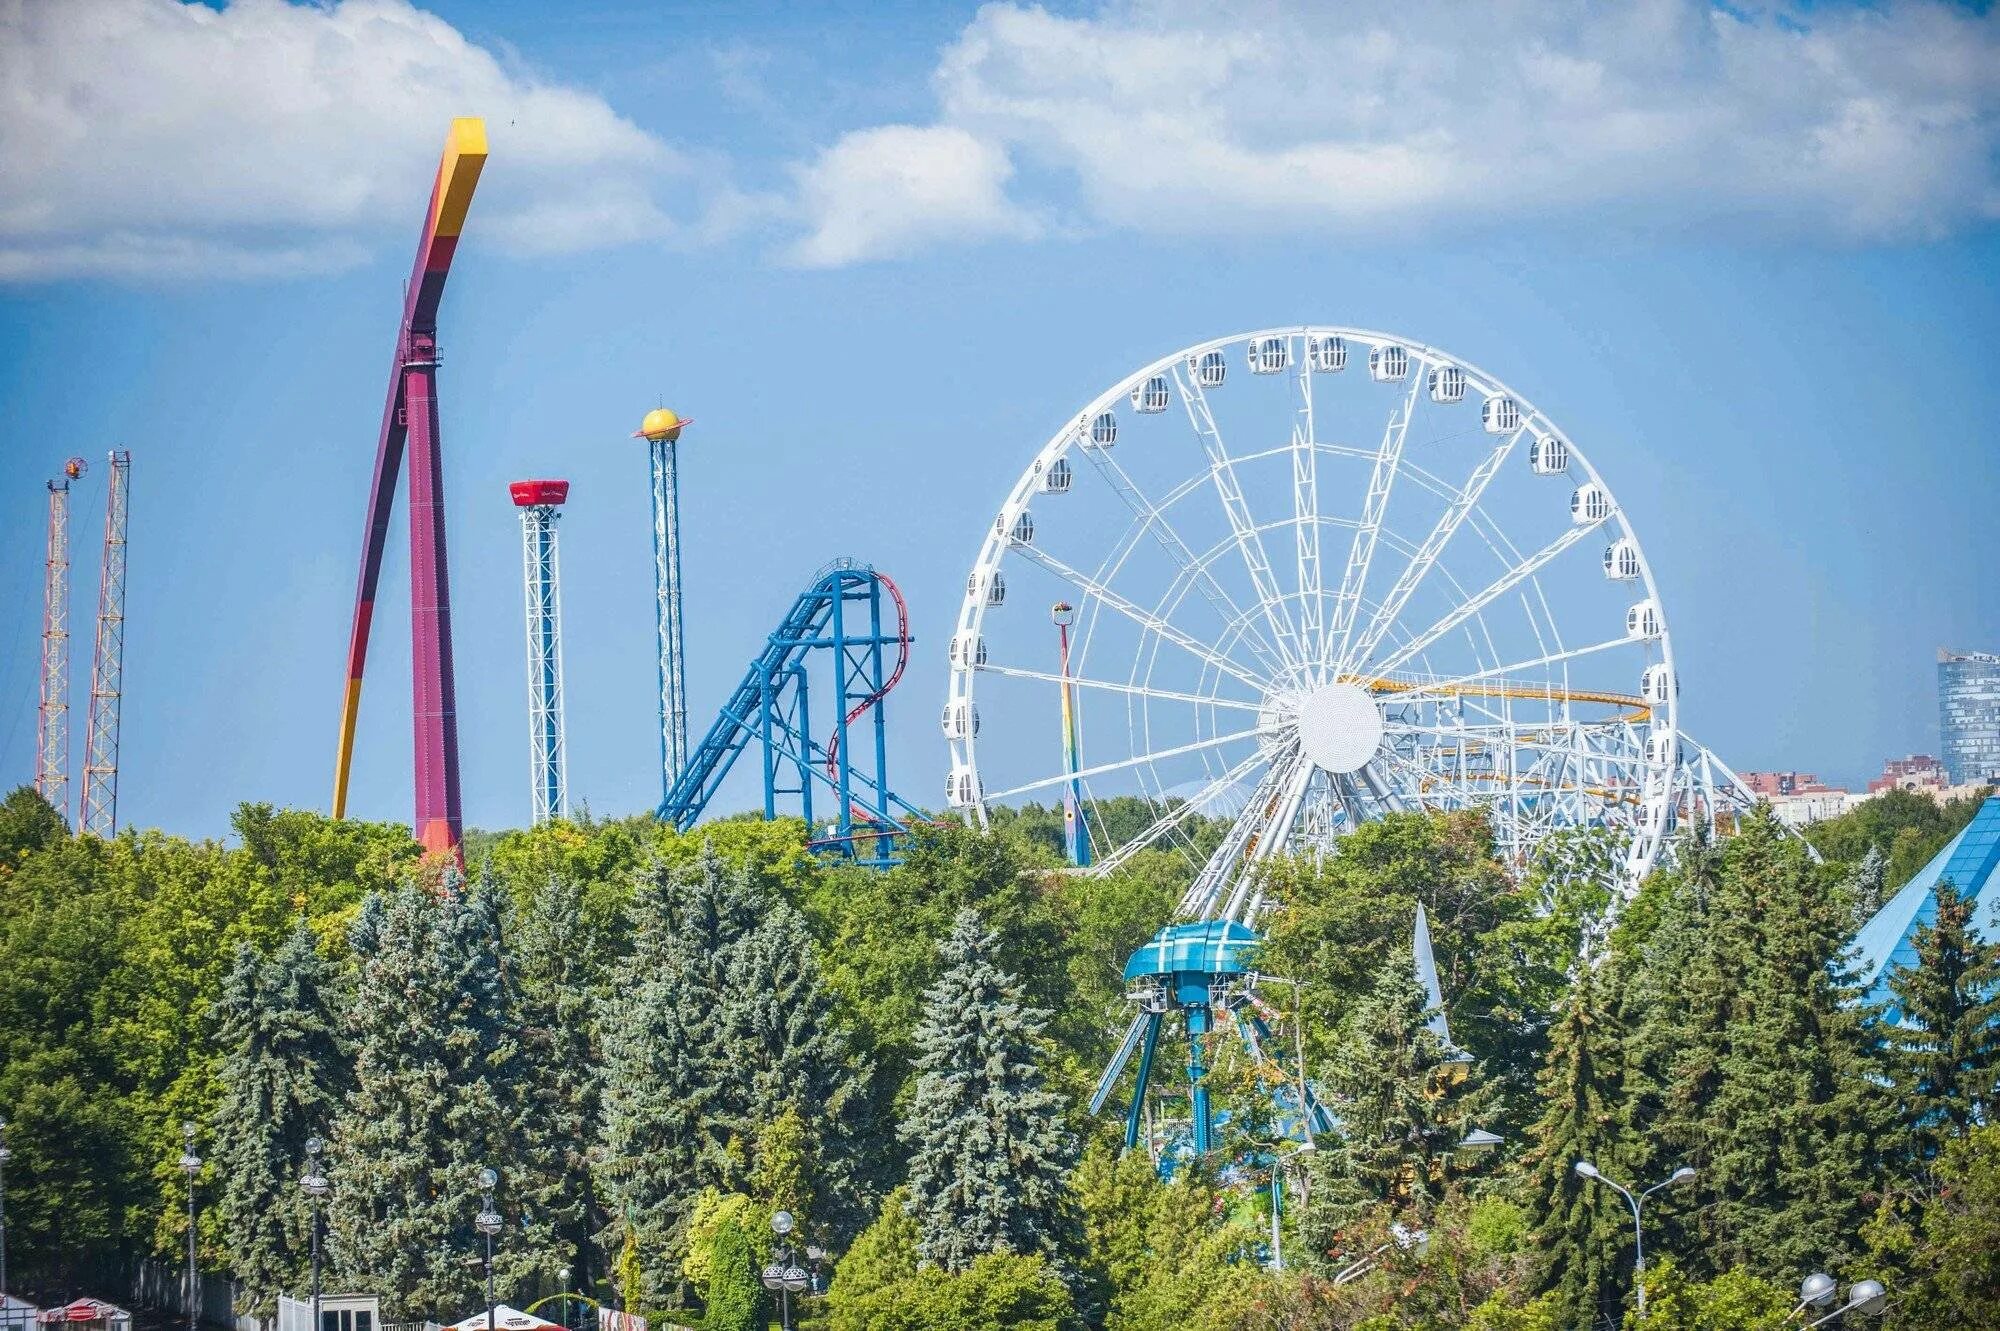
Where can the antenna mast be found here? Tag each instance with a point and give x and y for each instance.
(107, 670)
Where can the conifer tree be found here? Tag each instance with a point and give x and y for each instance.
(659, 1091)
(1580, 1228)
(795, 1066)
(1772, 1098)
(1868, 886)
(551, 981)
(988, 1149)
(1401, 1096)
(282, 1076)
(1944, 1055)
(429, 1107)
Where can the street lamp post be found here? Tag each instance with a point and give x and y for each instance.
(191, 1165)
(783, 1277)
(488, 1223)
(1867, 1297)
(315, 1187)
(1638, 1205)
(563, 1275)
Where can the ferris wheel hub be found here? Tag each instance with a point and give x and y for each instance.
(1340, 727)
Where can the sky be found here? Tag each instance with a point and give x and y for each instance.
(1749, 257)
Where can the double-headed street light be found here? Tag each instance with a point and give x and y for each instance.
(1816, 1291)
(1638, 1205)
(191, 1165)
(488, 1223)
(315, 1187)
(782, 1277)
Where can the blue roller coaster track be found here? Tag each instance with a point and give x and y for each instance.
(841, 614)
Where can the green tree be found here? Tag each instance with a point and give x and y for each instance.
(883, 1254)
(1944, 1054)
(996, 1292)
(432, 1059)
(1580, 1227)
(283, 1074)
(29, 825)
(552, 979)
(734, 1296)
(988, 1149)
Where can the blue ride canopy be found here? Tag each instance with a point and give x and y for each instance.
(1967, 862)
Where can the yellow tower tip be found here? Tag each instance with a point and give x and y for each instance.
(661, 426)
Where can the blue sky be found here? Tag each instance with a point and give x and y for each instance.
(883, 252)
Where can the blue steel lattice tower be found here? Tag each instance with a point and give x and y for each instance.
(662, 432)
(539, 502)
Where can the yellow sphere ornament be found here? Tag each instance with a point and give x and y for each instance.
(662, 426)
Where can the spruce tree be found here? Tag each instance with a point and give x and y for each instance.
(1581, 1228)
(1780, 1117)
(429, 1107)
(1402, 1097)
(778, 1026)
(1944, 1056)
(1868, 885)
(556, 1105)
(282, 1076)
(988, 1150)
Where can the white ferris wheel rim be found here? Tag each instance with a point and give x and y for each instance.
(1423, 357)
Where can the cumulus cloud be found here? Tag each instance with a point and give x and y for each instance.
(152, 137)
(1177, 116)
(882, 192)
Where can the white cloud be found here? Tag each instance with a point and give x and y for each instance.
(1181, 116)
(154, 138)
(883, 192)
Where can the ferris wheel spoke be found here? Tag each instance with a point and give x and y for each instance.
(1305, 516)
(1432, 688)
(1361, 554)
(1249, 540)
(1485, 596)
(1145, 619)
(1174, 817)
(1427, 554)
(1138, 690)
(1153, 518)
(1213, 741)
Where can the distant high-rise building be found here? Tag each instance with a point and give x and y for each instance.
(1969, 714)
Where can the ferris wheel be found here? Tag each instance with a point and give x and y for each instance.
(1291, 580)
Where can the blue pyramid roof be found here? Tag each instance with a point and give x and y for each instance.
(1968, 862)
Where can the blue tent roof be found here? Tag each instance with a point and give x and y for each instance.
(1967, 862)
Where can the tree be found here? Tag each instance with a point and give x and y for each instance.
(988, 1148)
(283, 1074)
(29, 824)
(431, 1061)
(659, 1090)
(1868, 885)
(1579, 1226)
(801, 1095)
(884, 1253)
(1957, 1259)
(996, 1292)
(1944, 1054)
(734, 1296)
(1401, 1097)
(552, 980)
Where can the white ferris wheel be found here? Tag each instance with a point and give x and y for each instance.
(1299, 578)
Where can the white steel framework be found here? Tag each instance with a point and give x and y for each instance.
(52, 717)
(548, 770)
(1493, 639)
(667, 594)
(107, 669)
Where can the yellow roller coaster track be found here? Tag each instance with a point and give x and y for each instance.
(1640, 709)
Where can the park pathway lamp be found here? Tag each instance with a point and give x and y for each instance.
(315, 1187)
(782, 1277)
(1638, 1205)
(1816, 1291)
(488, 1223)
(191, 1165)
(5, 1156)
(563, 1276)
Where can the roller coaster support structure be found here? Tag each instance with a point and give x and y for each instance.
(841, 614)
